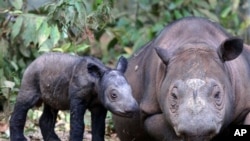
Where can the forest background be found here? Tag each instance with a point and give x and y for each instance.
(105, 29)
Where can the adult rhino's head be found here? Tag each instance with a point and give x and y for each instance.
(114, 91)
(196, 94)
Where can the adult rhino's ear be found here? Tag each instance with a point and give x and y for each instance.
(163, 54)
(230, 49)
(95, 70)
(122, 64)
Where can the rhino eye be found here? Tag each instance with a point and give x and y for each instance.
(173, 101)
(174, 94)
(113, 96)
(217, 96)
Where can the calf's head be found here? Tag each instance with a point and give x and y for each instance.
(113, 89)
(196, 94)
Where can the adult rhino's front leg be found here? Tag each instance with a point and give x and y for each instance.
(158, 128)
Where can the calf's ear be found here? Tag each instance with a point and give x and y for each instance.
(230, 49)
(163, 54)
(95, 71)
(122, 64)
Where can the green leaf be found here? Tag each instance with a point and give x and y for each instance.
(3, 51)
(81, 12)
(54, 35)
(98, 2)
(157, 27)
(213, 3)
(236, 4)
(177, 14)
(63, 48)
(21, 63)
(25, 51)
(196, 13)
(16, 3)
(66, 46)
(46, 46)
(16, 27)
(82, 47)
(203, 4)
(39, 21)
(29, 33)
(225, 12)
(43, 33)
(70, 15)
(209, 14)
(3, 4)
(179, 2)
(14, 65)
(58, 50)
(8, 84)
(171, 6)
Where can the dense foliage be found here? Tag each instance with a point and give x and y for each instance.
(103, 28)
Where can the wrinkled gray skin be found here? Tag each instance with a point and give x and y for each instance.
(62, 82)
(191, 82)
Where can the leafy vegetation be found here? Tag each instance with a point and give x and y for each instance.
(102, 28)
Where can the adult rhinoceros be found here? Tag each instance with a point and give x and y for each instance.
(192, 82)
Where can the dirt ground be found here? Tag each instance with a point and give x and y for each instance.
(63, 135)
(36, 136)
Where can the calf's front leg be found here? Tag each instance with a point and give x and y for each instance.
(77, 110)
(98, 115)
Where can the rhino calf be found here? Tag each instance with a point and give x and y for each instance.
(62, 82)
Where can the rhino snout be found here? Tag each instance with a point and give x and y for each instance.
(197, 126)
(124, 108)
(194, 133)
(130, 108)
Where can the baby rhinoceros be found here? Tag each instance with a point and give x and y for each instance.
(63, 81)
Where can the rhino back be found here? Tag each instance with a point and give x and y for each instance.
(50, 74)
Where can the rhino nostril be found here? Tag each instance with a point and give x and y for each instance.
(186, 132)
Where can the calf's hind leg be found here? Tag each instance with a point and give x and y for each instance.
(25, 101)
(47, 123)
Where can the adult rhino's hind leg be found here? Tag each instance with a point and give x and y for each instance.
(247, 119)
(47, 123)
(25, 101)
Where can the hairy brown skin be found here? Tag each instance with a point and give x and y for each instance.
(67, 82)
(171, 106)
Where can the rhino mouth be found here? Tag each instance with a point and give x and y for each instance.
(124, 114)
(198, 138)
(128, 112)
